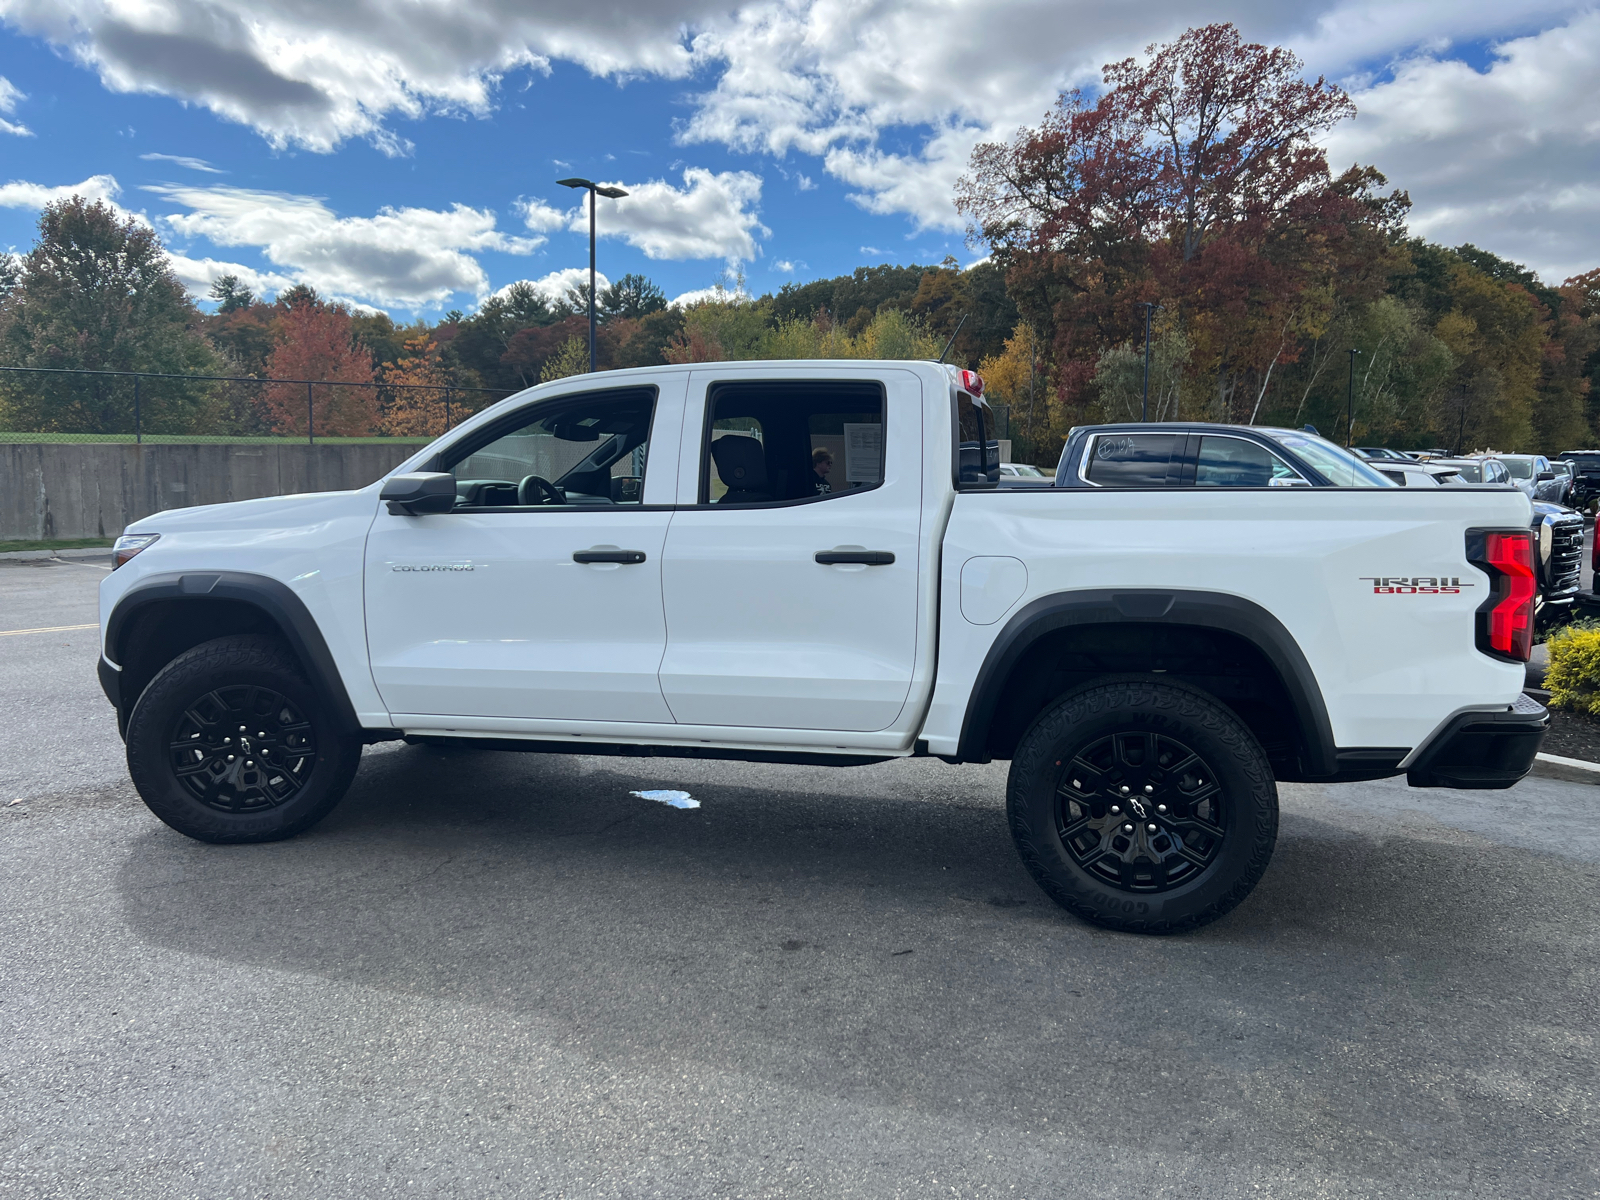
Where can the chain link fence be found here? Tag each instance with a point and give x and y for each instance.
(63, 405)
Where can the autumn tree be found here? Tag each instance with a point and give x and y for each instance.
(317, 344)
(1194, 180)
(418, 404)
(572, 358)
(97, 292)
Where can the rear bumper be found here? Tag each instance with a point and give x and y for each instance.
(1483, 750)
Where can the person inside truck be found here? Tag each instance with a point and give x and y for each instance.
(821, 464)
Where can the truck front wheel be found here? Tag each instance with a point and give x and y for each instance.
(1142, 806)
(230, 743)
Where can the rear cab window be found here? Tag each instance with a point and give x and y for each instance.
(789, 442)
(1133, 460)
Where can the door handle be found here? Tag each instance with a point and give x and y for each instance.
(871, 558)
(626, 557)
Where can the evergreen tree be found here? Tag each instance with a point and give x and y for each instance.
(230, 294)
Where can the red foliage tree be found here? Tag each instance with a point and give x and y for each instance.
(1194, 181)
(317, 345)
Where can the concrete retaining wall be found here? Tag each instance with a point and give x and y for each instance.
(86, 490)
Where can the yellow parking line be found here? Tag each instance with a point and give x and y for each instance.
(47, 629)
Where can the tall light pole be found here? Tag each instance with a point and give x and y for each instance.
(1350, 403)
(1149, 307)
(610, 193)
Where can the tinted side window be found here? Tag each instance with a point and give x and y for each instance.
(1131, 459)
(587, 452)
(1234, 462)
(779, 442)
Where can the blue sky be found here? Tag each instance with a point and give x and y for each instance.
(784, 141)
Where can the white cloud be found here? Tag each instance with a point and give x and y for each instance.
(183, 160)
(316, 74)
(557, 286)
(9, 97)
(20, 194)
(718, 292)
(804, 182)
(198, 274)
(407, 257)
(711, 216)
(1503, 158)
(541, 217)
(889, 96)
(786, 266)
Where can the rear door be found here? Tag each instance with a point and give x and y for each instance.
(790, 573)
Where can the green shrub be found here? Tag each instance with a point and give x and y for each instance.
(1573, 675)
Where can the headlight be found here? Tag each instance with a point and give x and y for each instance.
(129, 544)
(1546, 539)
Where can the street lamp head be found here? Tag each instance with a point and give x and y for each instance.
(612, 193)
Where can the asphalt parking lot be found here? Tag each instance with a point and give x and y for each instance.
(495, 975)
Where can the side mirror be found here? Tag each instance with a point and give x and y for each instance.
(423, 492)
(1544, 476)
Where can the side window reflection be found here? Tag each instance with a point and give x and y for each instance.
(589, 453)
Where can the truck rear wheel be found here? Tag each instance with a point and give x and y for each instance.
(230, 743)
(1140, 806)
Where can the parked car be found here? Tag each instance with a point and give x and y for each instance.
(1531, 474)
(1371, 452)
(1416, 474)
(1566, 480)
(1021, 471)
(1202, 455)
(1558, 536)
(1586, 474)
(1476, 469)
(645, 564)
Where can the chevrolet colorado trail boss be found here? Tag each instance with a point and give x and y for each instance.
(815, 562)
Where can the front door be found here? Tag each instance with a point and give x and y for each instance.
(791, 583)
(539, 595)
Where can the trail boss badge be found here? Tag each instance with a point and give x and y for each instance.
(1415, 585)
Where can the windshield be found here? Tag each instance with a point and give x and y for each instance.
(1520, 468)
(1337, 465)
(1471, 472)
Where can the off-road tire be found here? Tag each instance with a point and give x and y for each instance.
(240, 670)
(1051, 820)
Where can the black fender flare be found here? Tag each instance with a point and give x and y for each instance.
(273, 598)
(1152, 606)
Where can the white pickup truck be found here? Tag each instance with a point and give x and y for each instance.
(815, 562)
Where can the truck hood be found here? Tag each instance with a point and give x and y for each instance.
(266, 511)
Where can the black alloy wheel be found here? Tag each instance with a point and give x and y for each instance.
(231, 743)
(243, 749)
(1141, 811)
(1142, 806)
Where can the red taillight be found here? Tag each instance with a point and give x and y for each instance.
(972, 383)
(1505, 620)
